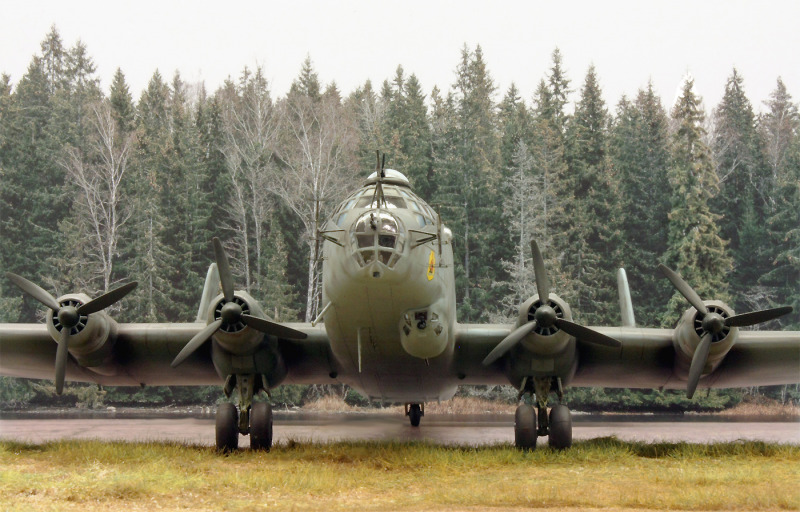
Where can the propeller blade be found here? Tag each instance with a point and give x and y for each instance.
(34, 291)
(542, 285)
(105, 300)
(225, 276)
(698, 363)
(685, 290)
(586, 334)
(757, 317)
(509, 342)
(195, 343)
(272, 328)
(61, 359)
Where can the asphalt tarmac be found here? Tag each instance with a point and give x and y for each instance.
(441, 429)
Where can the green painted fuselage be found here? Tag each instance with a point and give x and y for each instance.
(389, 288)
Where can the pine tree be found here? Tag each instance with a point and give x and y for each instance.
(695, 248)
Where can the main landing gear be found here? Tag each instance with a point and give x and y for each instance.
(250, 418)
(415, 412)
(557, 425)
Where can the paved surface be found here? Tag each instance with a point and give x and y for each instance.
(470, 430)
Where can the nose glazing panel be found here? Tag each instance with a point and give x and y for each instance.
(377, 235)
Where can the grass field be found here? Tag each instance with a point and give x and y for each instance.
(602, 473)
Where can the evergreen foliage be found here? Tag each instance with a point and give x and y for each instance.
(595, 189)
(695, 248)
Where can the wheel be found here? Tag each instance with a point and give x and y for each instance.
(560, 427)
(227, 428)
(261, 426)
(414, 414)
(525, 427)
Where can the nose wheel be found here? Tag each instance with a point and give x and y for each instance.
(415, 412)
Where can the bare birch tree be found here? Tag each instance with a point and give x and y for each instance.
(98, 176)
(251, 133)
(317, 157)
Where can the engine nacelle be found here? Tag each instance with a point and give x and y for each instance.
(687, 337)
(92, 341)
(544, 341)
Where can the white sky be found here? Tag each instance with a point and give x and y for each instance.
(630, 42)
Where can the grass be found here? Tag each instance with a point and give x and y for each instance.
(602, 473)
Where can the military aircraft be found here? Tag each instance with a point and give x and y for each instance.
(388, 328)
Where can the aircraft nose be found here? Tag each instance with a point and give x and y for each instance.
(377, 239)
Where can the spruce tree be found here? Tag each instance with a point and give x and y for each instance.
(469, 188)
(122, 102)
(695, 248)
(589, 229)
(640, 154)
(744, 180)
(780, 130)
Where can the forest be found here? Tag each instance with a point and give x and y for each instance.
(102, 188)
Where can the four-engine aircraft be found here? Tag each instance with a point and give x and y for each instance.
(388, 328)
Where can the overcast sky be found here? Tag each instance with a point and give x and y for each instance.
(630, 42)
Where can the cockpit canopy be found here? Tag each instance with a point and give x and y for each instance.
(395, 198)
(380, 235)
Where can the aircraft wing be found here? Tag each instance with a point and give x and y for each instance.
(141, 354)
(646, 358)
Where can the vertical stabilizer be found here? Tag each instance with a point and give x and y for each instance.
(625, 304)
(210, 290)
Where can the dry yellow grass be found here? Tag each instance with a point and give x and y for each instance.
(604, 474)
(768, 409)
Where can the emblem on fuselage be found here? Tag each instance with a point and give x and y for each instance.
(431, 266)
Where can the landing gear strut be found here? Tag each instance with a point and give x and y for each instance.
(415, 412)
(557, 425)
(250, 418)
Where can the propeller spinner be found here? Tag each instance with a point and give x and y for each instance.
(545, 316)
(68, 316)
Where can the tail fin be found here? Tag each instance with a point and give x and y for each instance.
(210, 290)
(625, 304)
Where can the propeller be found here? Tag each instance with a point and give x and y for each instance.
(545, 317)
(232, 313)
(69, 316)
(713, 322)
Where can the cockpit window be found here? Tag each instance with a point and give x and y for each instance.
(377, 235)
(392, 202)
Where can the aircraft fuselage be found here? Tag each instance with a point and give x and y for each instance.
(389, 288)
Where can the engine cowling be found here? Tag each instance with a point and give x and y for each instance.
(91, 340)
(544, 341)
(240, 349)
(690, 331)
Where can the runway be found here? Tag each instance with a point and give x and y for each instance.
(476, 430)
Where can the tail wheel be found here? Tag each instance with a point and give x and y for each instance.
(261, 426)
(560, 427)
(525, 427)
(227, 428)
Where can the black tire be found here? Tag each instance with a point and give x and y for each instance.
(227, 428)
(414, 414)
(560, 427)
(261, 426)
(525, 428)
